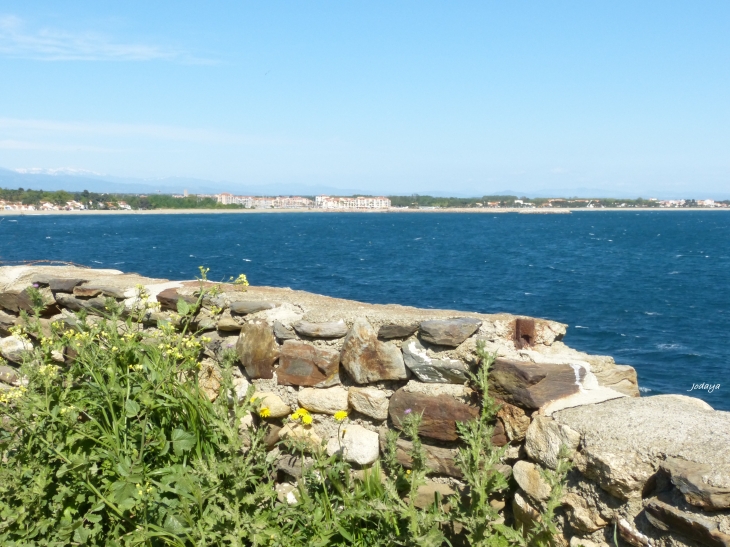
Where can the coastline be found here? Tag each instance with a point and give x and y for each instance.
(14, 212)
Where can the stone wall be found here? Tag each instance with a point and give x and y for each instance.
(655, 470)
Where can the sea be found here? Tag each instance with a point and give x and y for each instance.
(649, 288)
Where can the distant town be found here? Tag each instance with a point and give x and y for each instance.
(39, 200)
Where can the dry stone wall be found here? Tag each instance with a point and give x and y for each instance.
(655, 470)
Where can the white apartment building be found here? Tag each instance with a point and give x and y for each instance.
(281, 202)
(351, 203)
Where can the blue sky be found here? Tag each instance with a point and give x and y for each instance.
(388, 97)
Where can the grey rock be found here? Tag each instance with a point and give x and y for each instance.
(544, 439)
(14, 348)
(429, 369)
(282, 332)
(246, 307)
(369, 401)
(440, 461)
(702, 485)
(64, 285)
(287, 493)
(367, 359)
(227, 323)
(355, 444)
(331, 329)
(257, 350)
(390, 331)
(667, 518)
(102, 288)
(624, 441)
(77, 304)
(581, 515)
(449, 332)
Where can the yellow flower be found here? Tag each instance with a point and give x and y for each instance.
(306, 419)
(408, 472)
(341, 415)
(264, 412)
(302, 411)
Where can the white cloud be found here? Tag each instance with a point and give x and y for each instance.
(46, 44)
(55, 171)
(14, 144)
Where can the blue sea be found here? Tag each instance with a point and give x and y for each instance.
(648, 288)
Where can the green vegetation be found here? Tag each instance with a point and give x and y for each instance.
(121, 446)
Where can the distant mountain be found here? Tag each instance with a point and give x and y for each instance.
(76, 181)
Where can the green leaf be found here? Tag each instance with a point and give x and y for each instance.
(182, 441)
(131, 408)
(122, 491)
(174, 524)
(183, 308)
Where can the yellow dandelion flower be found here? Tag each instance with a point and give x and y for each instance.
(341, 415)
(302, 411)
(408, 472)
(306, 419)
(264, 412)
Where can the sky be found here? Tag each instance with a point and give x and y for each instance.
(386, 97)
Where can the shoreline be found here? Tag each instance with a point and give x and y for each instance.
(15, 212)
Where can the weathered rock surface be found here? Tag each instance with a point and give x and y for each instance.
(426, 494)
(300, 432)
(14, 348)
(367, 359)
(330, 329)
(432, 370)
(356, 445)
(665, 517)
(324, 401)
(532, 385)
(227, 323)
(545, 437)
(515, 421)
(210, 378)
(251, 306)
(369, 401)
(439, 413)
(17, 300)
(274, 404)
(702, 485)
(6, 321)
(624, 441)
(91, 288)
(287, 492)
(528, 478)
(302, 364)
(9, 375)
(77, 304)
(449, 332)
(391, 330)
(168, 298)
(440, 461)
(282, 332)
(581, 515)
(257, 350)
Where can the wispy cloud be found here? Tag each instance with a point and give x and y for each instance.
(46, 44)
(14, 144)
(55, 171)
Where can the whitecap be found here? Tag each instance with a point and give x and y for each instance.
(670, 346)
(673, 273)
(528, 293)
(12, 221)
(651, 313)
(246, 259)
(97, 262)
(645, 389)
(580, 327)
(417, 239)
(48, 237)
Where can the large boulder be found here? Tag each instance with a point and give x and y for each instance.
(449, 332)
(624, 442)
(430, 369)
(440, 413)
(302, 364)
(367, 359)
(257, 349)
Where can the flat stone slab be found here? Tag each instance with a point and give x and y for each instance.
(301, 364)
(532, 385)
(430, 369)
(624, 441)
(449, 332)
(668, 518)
(702, 485)
(439, 413)
(390, 331)
(251, 306)
(330, 329)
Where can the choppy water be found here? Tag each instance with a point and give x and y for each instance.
(649, 288)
